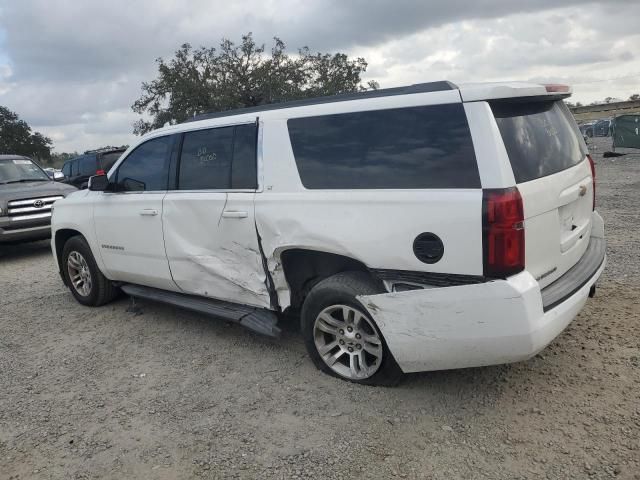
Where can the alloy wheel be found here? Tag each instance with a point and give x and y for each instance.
(79, 273)
(347, 342)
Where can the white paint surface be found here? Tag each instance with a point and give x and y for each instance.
(472, 325)
(212, 246)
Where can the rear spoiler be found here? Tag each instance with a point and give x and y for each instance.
(475, 92)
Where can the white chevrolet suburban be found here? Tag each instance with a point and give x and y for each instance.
(425, 227)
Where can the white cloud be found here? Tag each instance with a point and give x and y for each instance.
(73, 69)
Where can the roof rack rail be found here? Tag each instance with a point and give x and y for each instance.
(104, 149)
(342, 97)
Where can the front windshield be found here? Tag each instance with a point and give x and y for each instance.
(20, 170)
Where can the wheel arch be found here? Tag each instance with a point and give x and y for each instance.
(61, 237)
(303, 268)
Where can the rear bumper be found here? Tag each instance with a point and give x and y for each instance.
(556, 293)
(496, 322)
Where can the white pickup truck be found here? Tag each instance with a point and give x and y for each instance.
(426, 227)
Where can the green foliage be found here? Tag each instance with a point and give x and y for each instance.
(234, 76)
(16, 137)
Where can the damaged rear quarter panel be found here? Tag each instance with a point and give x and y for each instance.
(374, 227)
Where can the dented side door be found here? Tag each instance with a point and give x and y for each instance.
(212, 246)
(211, 239)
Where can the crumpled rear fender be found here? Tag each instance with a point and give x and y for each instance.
(458, 326)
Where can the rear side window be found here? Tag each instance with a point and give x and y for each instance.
(205, 161)
(219, 159)
(147, 167)
(87, 165)
(407, 148)
(541, 138)
(66, 169)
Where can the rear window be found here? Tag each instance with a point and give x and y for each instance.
(541, 138)
(405, 148)
(108, 160)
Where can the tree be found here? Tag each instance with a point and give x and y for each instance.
(234, 76)
(635, 96)
(58, 159)
(16, 137)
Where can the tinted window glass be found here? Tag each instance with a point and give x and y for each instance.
(205, 161)
(244, 170)
(541, 138)
(146, 168)
(108, 160)
(418, 147)
(87, 165)
(66, 169)
(74, 167)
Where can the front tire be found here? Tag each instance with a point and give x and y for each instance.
(341, 337)
(83, 277)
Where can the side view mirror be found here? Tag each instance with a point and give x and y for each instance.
(98, 183)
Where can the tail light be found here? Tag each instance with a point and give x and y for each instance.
(592, 164)
(557, 88)
(503, 232)
(100, 172)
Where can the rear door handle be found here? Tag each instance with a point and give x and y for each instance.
(234, 214)
(150, 212)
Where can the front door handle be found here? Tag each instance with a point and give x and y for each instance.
(150, 212)
(234, 214)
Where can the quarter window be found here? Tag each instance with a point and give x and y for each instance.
(405, 148)
(146, 168)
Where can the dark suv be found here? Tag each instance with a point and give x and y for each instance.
(598, 128)
(95, 162)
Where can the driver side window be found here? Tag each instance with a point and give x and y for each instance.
(146, 168)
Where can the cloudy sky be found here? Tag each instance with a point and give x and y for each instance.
(72, 69)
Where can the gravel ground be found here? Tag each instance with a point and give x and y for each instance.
(168, 394)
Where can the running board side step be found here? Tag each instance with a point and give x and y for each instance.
(259, 320)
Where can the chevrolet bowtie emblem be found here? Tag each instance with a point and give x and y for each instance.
(583, 190)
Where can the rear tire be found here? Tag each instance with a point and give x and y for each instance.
(85, 280)
(341, 337)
